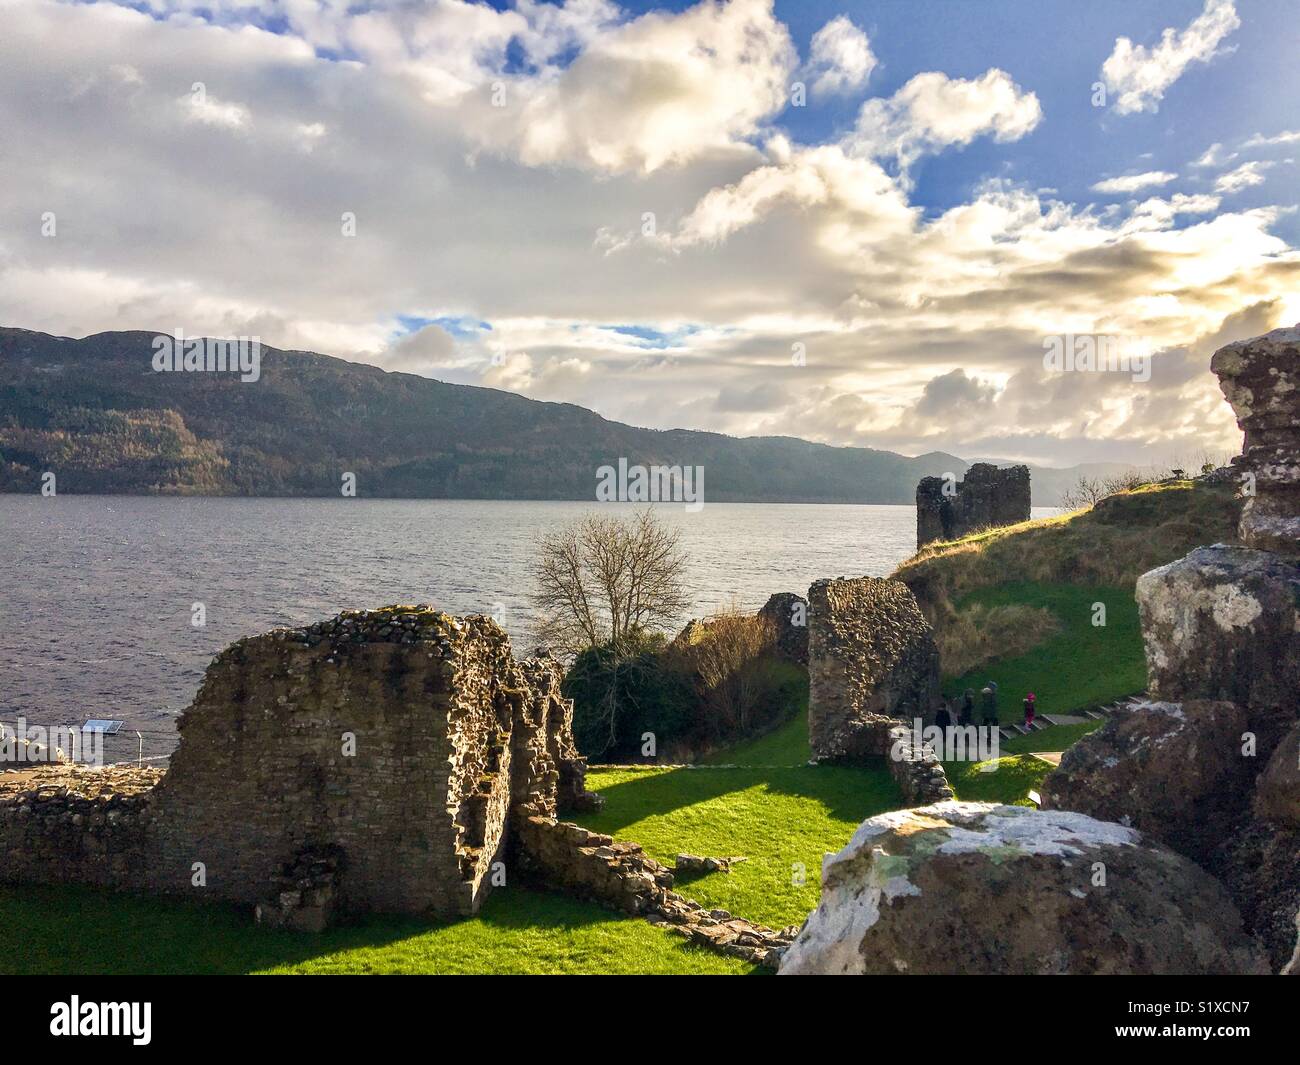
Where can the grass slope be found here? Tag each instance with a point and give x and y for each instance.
(1112, 544)
(1080, 666)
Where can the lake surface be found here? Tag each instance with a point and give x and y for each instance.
(97, 592)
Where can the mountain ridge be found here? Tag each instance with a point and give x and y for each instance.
(95, 412)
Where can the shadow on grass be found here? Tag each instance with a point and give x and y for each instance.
(847, 793)
(76, 930)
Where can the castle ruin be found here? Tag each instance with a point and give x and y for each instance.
(988, 497)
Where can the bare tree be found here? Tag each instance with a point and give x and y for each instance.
(603, 579)
(1085, 492)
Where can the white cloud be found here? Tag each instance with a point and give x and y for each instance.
(1213, 156)
(1141, 75)
(1287, 136)
(1134, 182)
(933, 111)
(1246, 176)
(840, 59)
(761, 243)
(661, 89)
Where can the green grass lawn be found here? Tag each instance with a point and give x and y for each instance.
(1010, 781)
(782, 820)
(81, 931)
(1079, 667)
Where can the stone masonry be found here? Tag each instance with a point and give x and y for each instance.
(872, 661)
(986, 498)
(788, 614)
(382, 752)
(1261, 379)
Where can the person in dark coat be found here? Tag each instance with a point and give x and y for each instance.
(943, 718)
(966, 710)
(1029, 710)
(990, 700)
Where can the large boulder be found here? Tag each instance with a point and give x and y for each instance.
(1259, 863)
(1222, 623)
(985, 889)
(1176, 771)
(1261, 379)
(1277, 794)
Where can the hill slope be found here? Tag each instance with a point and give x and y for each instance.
(95, 412)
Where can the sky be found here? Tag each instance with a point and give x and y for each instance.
(856, 223)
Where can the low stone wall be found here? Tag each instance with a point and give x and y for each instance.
(872, 661)
(916, 769)
(592, 866)
(77, 825)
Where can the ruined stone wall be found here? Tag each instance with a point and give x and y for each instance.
(75, 825)
(392, 746)
(788, 615)
(871, 656)
(619, 875)
(986, 498)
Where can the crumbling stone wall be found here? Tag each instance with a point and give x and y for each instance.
(1261, 379)
(987, 497)
(788, 615)
(399, 741)
(619, 875)
(70, 824)
(872, 660)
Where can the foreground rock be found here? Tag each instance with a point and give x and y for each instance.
(986, 889)
(1221, 623)
(1175, 771)
(1259, 863)
(1277, 795)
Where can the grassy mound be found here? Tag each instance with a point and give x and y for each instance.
(1111, 545)
(1008, 779)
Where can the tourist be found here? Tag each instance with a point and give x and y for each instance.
(966, 714)
(1029, 710)
(943, 718)
(990, 700)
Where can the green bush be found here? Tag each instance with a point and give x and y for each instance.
(618, 695)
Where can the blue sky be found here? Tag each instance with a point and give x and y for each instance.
(618, 205)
